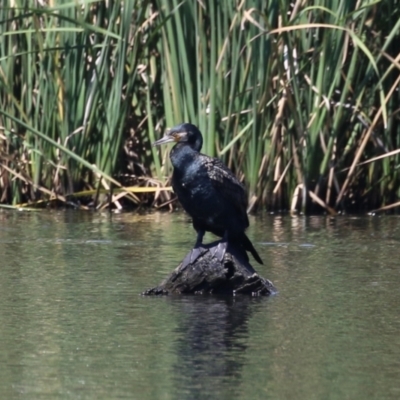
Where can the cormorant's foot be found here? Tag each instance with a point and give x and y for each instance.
(193, 255)
(220, 251)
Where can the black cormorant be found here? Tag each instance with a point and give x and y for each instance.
(208, 190)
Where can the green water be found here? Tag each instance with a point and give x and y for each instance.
(73, 325)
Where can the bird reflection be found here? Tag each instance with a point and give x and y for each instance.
(213, 337)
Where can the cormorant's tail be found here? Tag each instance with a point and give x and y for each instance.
(248, 246)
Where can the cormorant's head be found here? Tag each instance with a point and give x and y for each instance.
(183, 133)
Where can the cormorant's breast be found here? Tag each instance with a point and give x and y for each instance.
(209, 192)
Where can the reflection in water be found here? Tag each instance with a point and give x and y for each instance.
(213, 338)
(72, 323)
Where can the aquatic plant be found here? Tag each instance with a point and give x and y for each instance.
(300, 101)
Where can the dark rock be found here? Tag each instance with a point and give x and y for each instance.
(206, 274)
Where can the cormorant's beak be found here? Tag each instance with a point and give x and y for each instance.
(172, 136)
(163, 140)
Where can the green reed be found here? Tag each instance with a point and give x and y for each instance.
(68, 73)
(288, 95)
(300, 101)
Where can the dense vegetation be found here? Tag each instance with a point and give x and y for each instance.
(301, 101)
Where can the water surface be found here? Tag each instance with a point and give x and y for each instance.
(73, 325)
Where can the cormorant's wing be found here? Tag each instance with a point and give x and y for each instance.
(226, 183)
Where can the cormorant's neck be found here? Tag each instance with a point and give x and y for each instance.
(197, 145)
(182, 154)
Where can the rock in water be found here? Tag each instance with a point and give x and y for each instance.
(206, 274)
